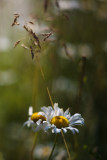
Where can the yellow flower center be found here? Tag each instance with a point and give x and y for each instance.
(35, 117)
(60, 121)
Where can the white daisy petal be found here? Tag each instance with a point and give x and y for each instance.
(52, 130)
(50, 116)
(60, 112)
(64, 130)
(39, 122)
(53, 126)
(28, 123)
(66, 112)
(56, 105)
(77, 122)
(68, 116)
(41, 113)
(48, 112)
(46, 125)
(75, 117)
(50, 109)
(46, 128)
(73, 129)
(56, 130)
(30, 111)
(56, 109)
(44, 109)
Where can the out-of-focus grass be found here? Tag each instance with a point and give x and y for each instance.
(21, 84)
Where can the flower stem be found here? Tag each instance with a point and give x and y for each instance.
(66, 145)
(53, 147)
(34, 143)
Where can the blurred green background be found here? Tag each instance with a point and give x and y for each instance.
(74, 60)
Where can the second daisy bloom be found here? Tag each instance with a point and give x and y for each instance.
(59, 120)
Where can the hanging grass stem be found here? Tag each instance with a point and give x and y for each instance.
(35, 84)
(66, 145)
(55, 141)
(43, 76)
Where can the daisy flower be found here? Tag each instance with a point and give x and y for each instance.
(58, 120)
(36, 120)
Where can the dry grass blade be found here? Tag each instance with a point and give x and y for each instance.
(26, 28)
(66, 16)
(25, 47)
(36, 38)
(35, 43)
(46, 3)
(47, 35)
(33, 34)
(32, 53)
(57, 4)
(44, 34)
(69, 156)
(31, 22)
(16, 16)
(43, 76)
(16, 43)
(66, 51)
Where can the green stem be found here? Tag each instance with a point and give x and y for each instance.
(53, 147)
(33, 147)
(81, 83)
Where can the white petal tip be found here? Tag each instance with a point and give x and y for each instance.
(30, 111)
